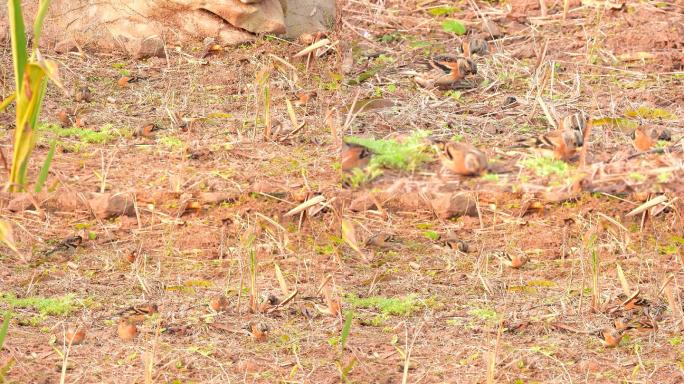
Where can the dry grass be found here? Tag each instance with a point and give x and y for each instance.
(462, 317)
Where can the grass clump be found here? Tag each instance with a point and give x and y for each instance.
(103, 136)
(358, 177)
(46, 306)
(644, 112)
(546, 166)
(406, 155)
(172, 143)
(400, 306)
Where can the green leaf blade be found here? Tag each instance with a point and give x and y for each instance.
(38, 23)
(346, 329)
(454, 26)
(18, 36)
(45, 169)
(4, 327)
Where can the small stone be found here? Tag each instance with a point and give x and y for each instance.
(448, 205)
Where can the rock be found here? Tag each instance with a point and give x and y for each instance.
(248, 366)
(362, 203)
(521, 9)
(20, 203)
(490, 28)
(268, 188)
(105, 205)
(143, 28)
(524, 52)
(308, 16)
(218, 197)
(448, 205)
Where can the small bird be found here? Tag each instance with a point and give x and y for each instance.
(146, 130)
(452, 240)
(609, 337)
(75, 334)
(462, 159)
(622, 323)
(561, 143)
(645, 138)
(70, 242)
(353, 156)
(218, 303)
(127, 330)
(509, 102)
(124, 81)
(268, 301)
(70, 118)
(474, 46)
(514, 261)
(447, 71)
(258, 331)
(632, 302)
(83, 94)
(138, 313)
(577, 121)
(642, 323)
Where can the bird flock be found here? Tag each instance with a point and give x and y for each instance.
(563, 143)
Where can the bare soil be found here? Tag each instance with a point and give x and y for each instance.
(464, 317)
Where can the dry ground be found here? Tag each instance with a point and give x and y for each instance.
(444, 315)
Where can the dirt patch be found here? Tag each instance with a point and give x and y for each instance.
(217, 203)
(650, 34)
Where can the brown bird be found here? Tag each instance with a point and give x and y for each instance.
(642, 323)
(83, 94)
(514, 261)
(633, 301)
(127, 330)
(70, 118)
(258, 331)
(577, 121)
(124, 81)
(218, 303)
(138, 313)
(645, 138)
(610, 337)
(561, 143)
(146, 130)
(75, 334)
(447, 71)
(462, 159)
(353, 156)
(474, 46)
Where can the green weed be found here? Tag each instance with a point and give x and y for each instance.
(443, 11)
(46, 306)
(546, 166)
(172, 143)
(484, 314)
(432, 235)
(636, 176)
(358, 177)
(390, 153)
(650, 113)
(4, 369)
(387, 305)
(89, 136)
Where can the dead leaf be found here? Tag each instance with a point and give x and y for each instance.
(7, 237)
(349, 237)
